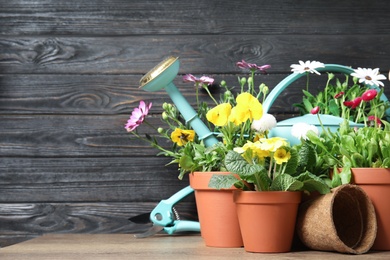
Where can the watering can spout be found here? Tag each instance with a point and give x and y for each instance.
(161, 77)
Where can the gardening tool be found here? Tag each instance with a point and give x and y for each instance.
(161, 77)
(283, 128)
(165, 217)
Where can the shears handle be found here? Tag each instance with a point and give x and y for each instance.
(162, 214)
(183, 225)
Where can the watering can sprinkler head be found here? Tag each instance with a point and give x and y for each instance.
(161, 75)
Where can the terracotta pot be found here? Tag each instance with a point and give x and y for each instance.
(267, 219)
(216, 212)
(376, 183)
(342, 220)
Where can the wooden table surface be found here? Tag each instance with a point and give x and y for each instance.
(125, 246)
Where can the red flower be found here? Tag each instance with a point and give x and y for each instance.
(348, 103)
(315, 110)
(369, 95)
(339, 95)
(354, 103)
(374, 121)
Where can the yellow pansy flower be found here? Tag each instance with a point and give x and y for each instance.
(181, 137)
(249, 105)
(219, 114)
(237, 116)
(281, 156)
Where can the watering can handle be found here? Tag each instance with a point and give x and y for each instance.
(294, 76)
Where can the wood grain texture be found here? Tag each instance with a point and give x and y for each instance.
(21, 221)
(133, 55)
(116, 94)
(88, 179)
(123, 247)
(154, 17)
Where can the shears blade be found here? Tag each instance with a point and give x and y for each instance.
(150, 232)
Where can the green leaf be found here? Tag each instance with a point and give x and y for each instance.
(236, 163)
(219, 181)
(334, 108)
(308, 105)
(307, 156)
(285, 182)
(357, 160)
(262, 181)
(312, 183)
(186, 162)
(292, 163)
(348, 143)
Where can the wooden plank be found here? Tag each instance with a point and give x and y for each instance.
(123, 247)
(119, 94)
(122, 17)
(22, 221)
(102, 94)
(72, 135)
(75, 136)
(138, 54)
(131, 179)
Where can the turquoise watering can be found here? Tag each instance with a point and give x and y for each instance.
(283, 128)
(163, 215)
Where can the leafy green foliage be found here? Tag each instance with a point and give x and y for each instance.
(263, 180)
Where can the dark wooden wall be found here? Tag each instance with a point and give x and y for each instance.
(69, 72)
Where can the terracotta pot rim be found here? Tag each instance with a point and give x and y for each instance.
(371, 175)
(267, 197)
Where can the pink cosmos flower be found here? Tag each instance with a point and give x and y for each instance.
(197, 81)
(369, 95)
(251, 66)
(138, 116)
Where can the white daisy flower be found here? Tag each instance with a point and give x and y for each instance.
(369, 76)
(265, 123)
(299, 130)
(308, 66)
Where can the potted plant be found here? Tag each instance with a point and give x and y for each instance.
(230, 121)
(269, 175)
(361, 155)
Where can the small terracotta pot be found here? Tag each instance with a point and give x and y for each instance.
(342, 220)
(216, 212)
(267, 219)
(376, 183)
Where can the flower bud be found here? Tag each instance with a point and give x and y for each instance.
(250, 81)
(227, 95)
(242, 81)
(265, 90)
(164, 116)
(315, 110)
(160, 130)
(165, 106)
(223, 83)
